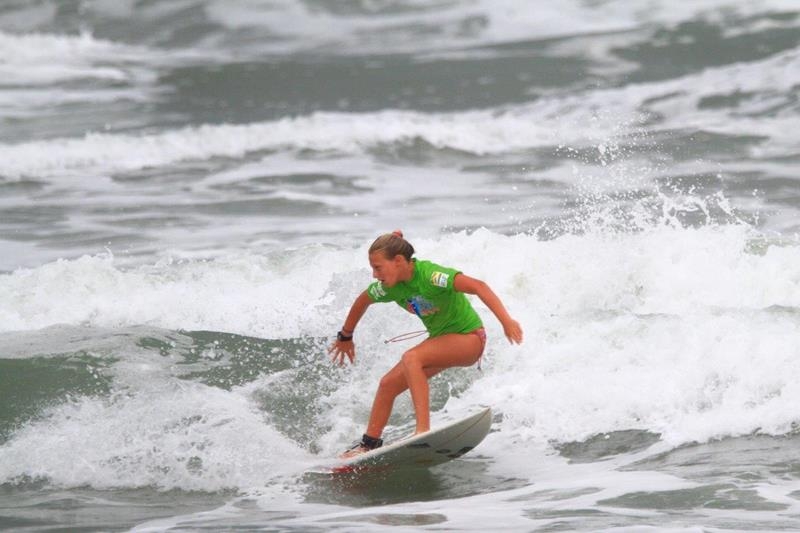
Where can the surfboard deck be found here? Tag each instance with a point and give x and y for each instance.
(428, 449)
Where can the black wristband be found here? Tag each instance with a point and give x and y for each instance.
(342, 337)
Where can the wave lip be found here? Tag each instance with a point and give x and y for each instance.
(475, 132)
(46, 59)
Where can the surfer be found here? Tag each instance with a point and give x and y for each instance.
(436, 294)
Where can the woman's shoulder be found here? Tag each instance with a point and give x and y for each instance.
(436, 274)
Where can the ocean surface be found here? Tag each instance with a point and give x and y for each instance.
(188, 189)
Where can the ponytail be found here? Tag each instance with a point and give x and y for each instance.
(392, 245)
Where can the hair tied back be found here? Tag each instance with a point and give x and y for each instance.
(392, 244)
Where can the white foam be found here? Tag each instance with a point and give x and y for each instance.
(43, 59)
(184, 295)
(167, 434)
(663, 273)
(28, 101)
(664, 331)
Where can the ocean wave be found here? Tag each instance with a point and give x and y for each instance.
(685, 334)
(408, 26)
(477, 132)
(633, 113)
(420, 27)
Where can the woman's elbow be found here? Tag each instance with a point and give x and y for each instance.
(481, 287)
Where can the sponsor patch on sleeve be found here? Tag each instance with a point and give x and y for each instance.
(440, 279)
(376, 290)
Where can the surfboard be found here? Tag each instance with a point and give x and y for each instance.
(428, 449)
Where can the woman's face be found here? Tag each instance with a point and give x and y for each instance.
(388, 271)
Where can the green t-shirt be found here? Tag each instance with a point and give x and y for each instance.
(430, 295)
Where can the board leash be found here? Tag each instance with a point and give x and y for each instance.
(406, 336)
(414, 334)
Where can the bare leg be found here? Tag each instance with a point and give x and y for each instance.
(417, 365)
(436, 353)
(392, 384)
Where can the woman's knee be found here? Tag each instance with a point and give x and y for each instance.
(392, 384)
(410, 359)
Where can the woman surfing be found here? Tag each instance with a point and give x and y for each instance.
(437, 295)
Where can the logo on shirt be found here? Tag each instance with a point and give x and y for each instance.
(421, 307)
(377, 290)
(439, 279)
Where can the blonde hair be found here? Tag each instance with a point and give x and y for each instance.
(392, 245)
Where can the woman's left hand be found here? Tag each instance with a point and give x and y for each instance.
(513, 331)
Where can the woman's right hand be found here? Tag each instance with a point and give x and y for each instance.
(341, 349)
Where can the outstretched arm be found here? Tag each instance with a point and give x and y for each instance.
(340, 349)
(511, 327)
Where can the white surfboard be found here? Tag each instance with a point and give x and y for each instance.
(434, 447)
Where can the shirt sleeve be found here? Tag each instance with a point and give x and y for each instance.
(377, 292)
(442, 277)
